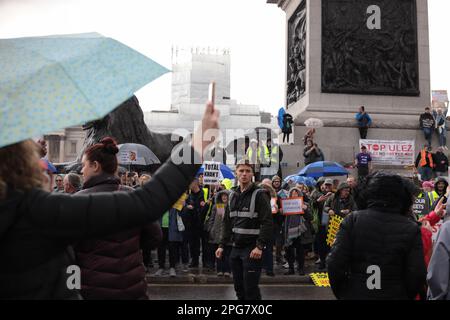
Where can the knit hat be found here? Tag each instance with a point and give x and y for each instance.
(427, 184)
(276, 178)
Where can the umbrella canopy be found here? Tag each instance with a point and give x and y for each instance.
(49, 83)
(224, 173)
(136, 154)
(308, 181)
(323, 169)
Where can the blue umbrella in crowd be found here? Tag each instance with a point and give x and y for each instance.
(308, 181)
(323, 169)
(225, 172)
(54, 82)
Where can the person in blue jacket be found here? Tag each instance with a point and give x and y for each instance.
(364, 122)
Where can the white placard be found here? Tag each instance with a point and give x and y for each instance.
(211, 174)
(390, 152)
(292, 206)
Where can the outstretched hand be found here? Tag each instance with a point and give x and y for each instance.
(210, 121)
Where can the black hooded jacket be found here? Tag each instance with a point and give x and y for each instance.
(382, 238)
(382, 242)
(240, 202)
(36, 227)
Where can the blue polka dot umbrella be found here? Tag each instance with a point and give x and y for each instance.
(49, 83)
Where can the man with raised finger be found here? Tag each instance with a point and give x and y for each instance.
(248, 224)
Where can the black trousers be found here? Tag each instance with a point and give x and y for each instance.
(363, 132)
(296, 252)
(194, 247)
(246, 273)
(322, 247)
(284, 137)
(173, 251)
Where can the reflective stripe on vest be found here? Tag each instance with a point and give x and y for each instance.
(241, 214)
(246, 231)
(251, 214)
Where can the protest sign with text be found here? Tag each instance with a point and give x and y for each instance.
(292, 206)
(211, 175)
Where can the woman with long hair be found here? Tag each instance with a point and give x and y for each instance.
(36, 227)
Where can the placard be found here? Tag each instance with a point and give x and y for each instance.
(273, 205)
(292, 206)
(211, 174)
(390, 152)
(320, 279)
(333, 228)
(419, 206)
(220, 209)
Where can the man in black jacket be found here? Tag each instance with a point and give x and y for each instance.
(441, 163)
(426, 123)
(248, 224)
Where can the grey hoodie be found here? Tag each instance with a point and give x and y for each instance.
(439, 266)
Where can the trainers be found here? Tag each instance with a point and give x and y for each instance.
(227, 274)
(286, 265)
(172, 272)
(220, 274)
(317, 261)
(185, 268)
(159, 272)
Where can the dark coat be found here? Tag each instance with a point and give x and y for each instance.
(112, 267)
(240, 201)
(385, 239)
(36, 227)
(441, 162)
(287, 123)
(193, 218)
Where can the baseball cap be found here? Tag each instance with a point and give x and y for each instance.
(328, 181)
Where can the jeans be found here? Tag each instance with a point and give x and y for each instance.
(428, 133)
(443, 138)
(426, 173)
(246, 273)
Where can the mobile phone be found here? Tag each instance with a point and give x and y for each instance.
(212, 92)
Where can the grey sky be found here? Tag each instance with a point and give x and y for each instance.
(252, 29)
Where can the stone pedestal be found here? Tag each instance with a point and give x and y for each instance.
(394, 108)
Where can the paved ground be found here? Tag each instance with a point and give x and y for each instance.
(202, 276)
(226, 292)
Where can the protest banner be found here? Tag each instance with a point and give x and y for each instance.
(420, 207)
(439, 98)
(292, 206)
(390, 152)
(333, 228)
(273, 205)
(320, 279)
(211, 175)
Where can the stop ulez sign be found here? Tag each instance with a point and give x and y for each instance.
(390, 147)
(390, 152)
